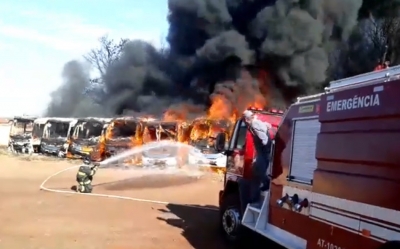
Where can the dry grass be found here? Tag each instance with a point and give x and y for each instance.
(35, 157)
(3, 150)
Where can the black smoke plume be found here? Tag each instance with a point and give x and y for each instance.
(217, 49)
(68, 100)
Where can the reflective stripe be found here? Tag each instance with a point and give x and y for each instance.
(81, 188)
(81, 173)
(85, 182)
(92, 172)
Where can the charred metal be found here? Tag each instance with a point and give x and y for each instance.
(85, 136)
(55, 136)
(20, 138)
(167, 156)
(203, 133)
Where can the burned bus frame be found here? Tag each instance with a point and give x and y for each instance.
(202, 154)
(37, 133)
(82, 147)
(158, 131)
(21, 141)
(114, 145)
(56, 146)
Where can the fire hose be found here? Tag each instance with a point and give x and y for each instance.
(42, 187)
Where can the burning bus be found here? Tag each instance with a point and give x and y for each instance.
(98, 152)
(85, 136)
(166, 156)
(55, 136)
(21, 135)
(202, 138)
(120, 134)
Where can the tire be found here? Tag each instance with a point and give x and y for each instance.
(390, 245)
(230, 219)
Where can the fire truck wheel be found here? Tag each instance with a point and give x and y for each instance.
(230, 223)
(390, 245)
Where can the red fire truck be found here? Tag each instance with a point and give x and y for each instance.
(334, 170)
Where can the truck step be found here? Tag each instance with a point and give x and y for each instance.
(249, 224)
(255, 206)
(256, 218)
(256, 212)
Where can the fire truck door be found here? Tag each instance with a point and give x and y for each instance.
(236, 149)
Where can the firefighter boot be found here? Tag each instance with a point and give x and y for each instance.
(80, 188)
(88, 188)
(85, 187)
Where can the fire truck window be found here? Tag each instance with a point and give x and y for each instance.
(304, 142)
(241, 138)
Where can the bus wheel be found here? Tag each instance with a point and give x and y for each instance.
(390, 245)
(230, 222)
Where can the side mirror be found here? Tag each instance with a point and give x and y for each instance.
(220, 141)
(228, 152)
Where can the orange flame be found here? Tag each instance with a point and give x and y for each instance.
(220, 109)
(199, 130)
(248, 95)
(175, 115)
(183, 133)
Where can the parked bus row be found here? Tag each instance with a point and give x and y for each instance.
(101, 138)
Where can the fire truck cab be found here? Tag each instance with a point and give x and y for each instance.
(334, 170)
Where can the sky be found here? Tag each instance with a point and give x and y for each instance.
(38, 37)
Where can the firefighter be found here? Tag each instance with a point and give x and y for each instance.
(262, 146)
(85, 175)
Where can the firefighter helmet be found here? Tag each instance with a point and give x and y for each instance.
(86, 160)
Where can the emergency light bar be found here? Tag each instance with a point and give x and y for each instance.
(276, 111)
(362, 79)
(269, 110)
(254, 108)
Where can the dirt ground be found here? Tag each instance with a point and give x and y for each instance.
(32, 218)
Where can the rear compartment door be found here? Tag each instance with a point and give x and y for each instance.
(303, 161)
